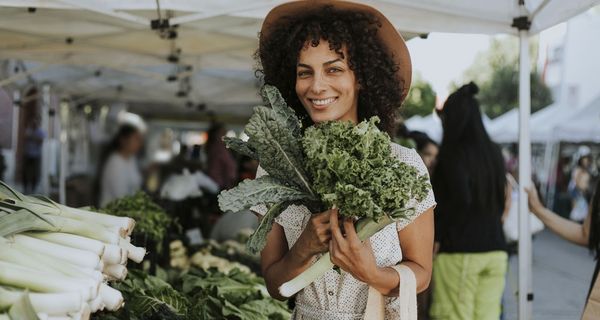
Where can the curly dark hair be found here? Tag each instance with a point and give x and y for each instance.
(374, 68)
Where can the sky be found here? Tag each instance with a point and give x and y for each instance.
(443, 57)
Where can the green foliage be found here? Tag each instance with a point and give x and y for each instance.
(496, 72)
(420, 100)
(151, 220)
(264, 189)
(349, 166)
(236, 295)
(352, 167)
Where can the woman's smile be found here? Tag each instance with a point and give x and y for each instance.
(326, 85)
(322, 103)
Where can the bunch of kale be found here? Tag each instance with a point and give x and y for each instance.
(332, 163)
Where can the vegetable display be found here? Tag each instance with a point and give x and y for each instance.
(56, 261)
(330, 164)
(152, 220)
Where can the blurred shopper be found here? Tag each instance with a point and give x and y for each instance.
(427, 149)
(32, 157)
(2, 165)
(248, 167)
(587, 234)
(579, 186)
(221, 165)
(469, 183)
(120, 174)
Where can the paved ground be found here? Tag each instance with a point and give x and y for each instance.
(561, 277)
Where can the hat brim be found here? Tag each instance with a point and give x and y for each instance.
(387, 33)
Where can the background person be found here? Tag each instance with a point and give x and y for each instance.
(470, 186)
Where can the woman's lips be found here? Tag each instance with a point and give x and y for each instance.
(321, 104)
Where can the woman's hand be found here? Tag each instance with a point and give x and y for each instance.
(349, 253)
(315, 237)
(535, 205)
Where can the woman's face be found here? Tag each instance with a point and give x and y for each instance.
(133, 143)
(429, 155)
(325, 84)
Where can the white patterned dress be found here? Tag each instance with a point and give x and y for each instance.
(340, 296)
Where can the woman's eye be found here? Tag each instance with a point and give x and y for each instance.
(302, 74)
(334, 70)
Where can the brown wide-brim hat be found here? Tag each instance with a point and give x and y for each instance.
(388, 35)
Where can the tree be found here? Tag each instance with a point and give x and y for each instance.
(496, 72)
(420, 100)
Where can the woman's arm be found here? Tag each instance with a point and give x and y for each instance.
(358, 259)
(280, 265)
(567, 229)
(507, 199)
(416, 241)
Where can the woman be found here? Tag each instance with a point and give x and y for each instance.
(426, 148)
(469, 183)
(579, 186)
(120, 175)
(336, 60)
(220, 164)
(587, 234)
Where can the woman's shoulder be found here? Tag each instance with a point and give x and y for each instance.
(408, 156)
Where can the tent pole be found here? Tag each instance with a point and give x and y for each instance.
(16, 100)
(525, 281)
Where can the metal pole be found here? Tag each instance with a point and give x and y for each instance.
(15, 132)
(45, 123)
(64, 152)
(525, 283)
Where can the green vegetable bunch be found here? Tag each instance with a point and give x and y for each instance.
(332, 163)
(152, 220)
(352, 168)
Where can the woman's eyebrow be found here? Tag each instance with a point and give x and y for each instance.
(332, 61)
(325, 64)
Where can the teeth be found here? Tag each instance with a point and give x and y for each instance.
(323, 101)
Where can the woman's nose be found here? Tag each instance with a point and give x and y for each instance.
(318, 85)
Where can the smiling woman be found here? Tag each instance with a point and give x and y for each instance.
(303, 52)
(342, 61)
(325, 85)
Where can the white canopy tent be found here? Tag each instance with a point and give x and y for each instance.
(583, 126)
(217, 38)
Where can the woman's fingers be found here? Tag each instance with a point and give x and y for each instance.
(351, 235)
(336, 233)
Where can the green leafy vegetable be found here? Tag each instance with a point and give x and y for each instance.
(151, 220)
(265, 189)
(352, 167)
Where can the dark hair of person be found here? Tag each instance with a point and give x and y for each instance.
(125, 131)
(594, 243)
(580, 161)
(470, 166)
(213, 134)
(421, 139)
(375, 70)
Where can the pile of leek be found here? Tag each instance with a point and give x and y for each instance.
(60, 257)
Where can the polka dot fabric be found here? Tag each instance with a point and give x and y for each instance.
(339, 296)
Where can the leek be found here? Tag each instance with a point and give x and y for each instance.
(45, 263)
(364, 229)
(75, 256)
(41, 204)
(116, 271)
(112, 254)
(48, 303)
(28, 278)
(70, 240)
(111, 298)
